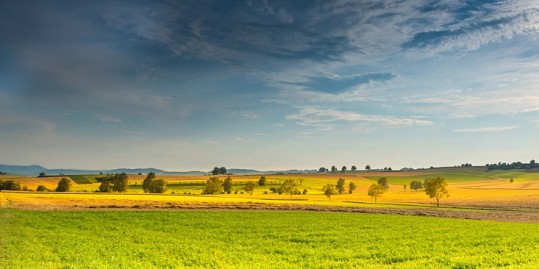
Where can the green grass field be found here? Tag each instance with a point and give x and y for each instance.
(84, 179)
(232, 239)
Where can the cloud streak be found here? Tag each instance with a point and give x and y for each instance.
(322, 117)
(493, 129)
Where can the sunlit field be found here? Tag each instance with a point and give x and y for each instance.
(232, 239)
(468, 187)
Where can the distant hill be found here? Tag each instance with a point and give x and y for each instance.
(22, 169)
(34, 170)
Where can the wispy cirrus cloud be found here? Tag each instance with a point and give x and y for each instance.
(107, 118)
(324, 117)
(492, 129)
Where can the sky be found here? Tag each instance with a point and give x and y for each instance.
(189, 85)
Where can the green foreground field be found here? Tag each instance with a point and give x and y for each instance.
(251, 239)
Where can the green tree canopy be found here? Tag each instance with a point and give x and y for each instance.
(340, 185)
(148, 181)
(416, 185)
(64, 185)
(250, 187)
(376, 190)
(289, 187)
(329, 189)
(262, 181)
(383, 182)
(436, 188)
(213, 185)
(227, 185)
(158, 186)
(351, 187)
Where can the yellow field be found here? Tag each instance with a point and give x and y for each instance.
(468, 188)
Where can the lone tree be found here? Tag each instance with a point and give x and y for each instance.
(351, 187)
(436, 188)
(416, 185)
(333, 169)
(289, 187)
(368, 167)
(148, 181)
(42, 174)
(329, 190)
(249, 187)
(354, 168)
(262, 181)
(64, 185)
(158, 186)
(340, 185)
(343, 169)
(376, 190)
(383, 182)
(213, 185)
(322, 170)
(227, 185)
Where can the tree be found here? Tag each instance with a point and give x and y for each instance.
(289, 187)
(333, 169)
(436, 188)
(105, 185)
(416, 185)
(213, 185)
(227, 185)
(64, 185)
(215, 171)
(121, 182)
(322, 170)
(10, 185)
(376, 190)
(329, 190)
(42, 174)
(383, 182)
(222, 171)
(158, 186)
(389, 169)
(262, 181)
(354, 168)
(249, 187)
(42, 188)
(148, 181)
(343, 169)
(340, 185)
(351, 187)
(533, 164)
(368, 167)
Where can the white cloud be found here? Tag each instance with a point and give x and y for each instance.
(323, 117)
(492, 129)
(107, 119)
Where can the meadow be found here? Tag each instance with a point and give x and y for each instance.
(258, 239)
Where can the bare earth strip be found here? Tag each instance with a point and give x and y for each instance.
(30, 202)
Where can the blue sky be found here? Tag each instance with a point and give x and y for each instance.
(188, 85)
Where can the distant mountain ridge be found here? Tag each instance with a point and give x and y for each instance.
(34, 170)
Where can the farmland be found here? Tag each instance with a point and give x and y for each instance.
(488, 221)
(225, 239)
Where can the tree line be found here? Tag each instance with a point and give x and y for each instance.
(513, 165)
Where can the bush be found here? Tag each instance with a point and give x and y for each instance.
(10, 185)
(158, 186)
(42, 188)
(64, 185)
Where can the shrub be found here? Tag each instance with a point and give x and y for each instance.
(158, 186)
(42, 188)
(64, 185)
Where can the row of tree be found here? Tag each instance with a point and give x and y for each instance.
(113, 183)
(344, 169)
(514, 165)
